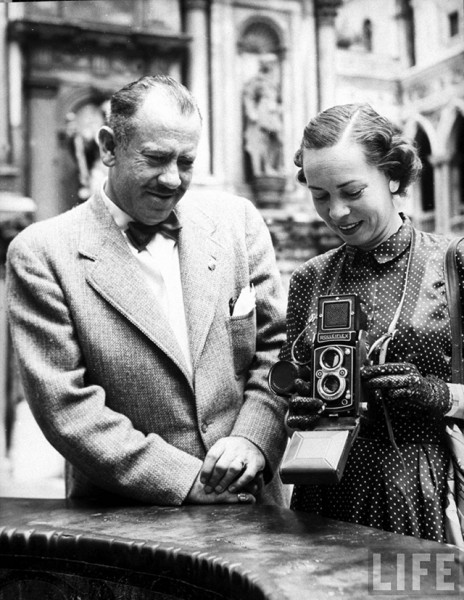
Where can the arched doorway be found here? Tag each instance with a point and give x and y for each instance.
(456, 146)
(426, 186)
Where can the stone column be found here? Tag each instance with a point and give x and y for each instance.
(326, 11)
(443, 211)
(225, 90)
(308, 43)
(4, 142)
(16, 211)
(5, 147)
(196, 25)
(5, 150)
(406, 50)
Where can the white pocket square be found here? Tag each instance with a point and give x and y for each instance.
(245, 302)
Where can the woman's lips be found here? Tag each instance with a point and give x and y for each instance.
(349, 229)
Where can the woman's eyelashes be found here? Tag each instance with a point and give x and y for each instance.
(354, 194)
(319, 197)
(349, 194)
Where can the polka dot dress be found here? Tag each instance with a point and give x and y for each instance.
(406, 492)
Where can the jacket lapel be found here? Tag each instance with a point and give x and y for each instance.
(199, 254)
(116, 276)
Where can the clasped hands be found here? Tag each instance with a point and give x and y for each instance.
(231, 473)
(397, 382)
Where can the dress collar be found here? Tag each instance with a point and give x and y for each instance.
(388, 250)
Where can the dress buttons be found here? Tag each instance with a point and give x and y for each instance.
(204, 427)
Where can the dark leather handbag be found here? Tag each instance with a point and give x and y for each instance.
(454, 513)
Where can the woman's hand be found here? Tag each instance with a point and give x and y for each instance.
(304, 411)
(403, 382)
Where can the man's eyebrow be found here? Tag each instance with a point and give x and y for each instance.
(154, 150)
(157, 152)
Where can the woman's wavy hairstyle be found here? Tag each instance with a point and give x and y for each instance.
(384, 145)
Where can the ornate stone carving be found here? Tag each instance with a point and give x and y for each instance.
(80, 137)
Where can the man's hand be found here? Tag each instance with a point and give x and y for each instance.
(402, 382)
(233, 464)
(197, 495)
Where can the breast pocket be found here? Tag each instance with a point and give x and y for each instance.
(242, 330)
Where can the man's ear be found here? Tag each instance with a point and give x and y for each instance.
(106, 143)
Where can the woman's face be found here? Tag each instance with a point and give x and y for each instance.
(352, 197)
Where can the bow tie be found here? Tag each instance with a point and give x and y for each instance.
(140, 234)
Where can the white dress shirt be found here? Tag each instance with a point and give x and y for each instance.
(160, 266)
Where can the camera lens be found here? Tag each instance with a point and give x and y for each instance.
(282, 377)
(331, 386)
(331, 358)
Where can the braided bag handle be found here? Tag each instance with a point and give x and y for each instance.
(454, 306)
(454, 511)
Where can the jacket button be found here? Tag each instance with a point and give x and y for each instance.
(204, 427)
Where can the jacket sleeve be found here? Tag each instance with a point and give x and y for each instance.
(261, 418)
(102, 443)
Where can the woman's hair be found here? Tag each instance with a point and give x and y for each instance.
(125, 103)
(383, 143)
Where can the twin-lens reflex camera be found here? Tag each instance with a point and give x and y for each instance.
(337, 353)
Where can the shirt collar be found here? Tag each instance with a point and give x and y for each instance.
(119, 216)
(389, 249)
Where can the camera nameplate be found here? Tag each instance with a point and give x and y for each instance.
(324, 338)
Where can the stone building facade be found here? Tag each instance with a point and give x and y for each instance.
(406, 57)
(259, 69)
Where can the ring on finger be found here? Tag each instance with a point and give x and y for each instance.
(243, 463)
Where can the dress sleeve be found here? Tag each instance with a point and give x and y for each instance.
(299, 302)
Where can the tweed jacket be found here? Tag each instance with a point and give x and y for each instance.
(102, 370)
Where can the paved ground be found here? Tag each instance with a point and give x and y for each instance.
(33, 468)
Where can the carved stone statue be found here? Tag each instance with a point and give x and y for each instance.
(263, 120)
(81, 130)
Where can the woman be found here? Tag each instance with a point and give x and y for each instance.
(356, 164)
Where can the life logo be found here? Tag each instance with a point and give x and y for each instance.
(438, 574)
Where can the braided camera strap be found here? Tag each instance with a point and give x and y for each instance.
(381, 344)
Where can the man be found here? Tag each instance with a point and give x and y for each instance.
(145, 362)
